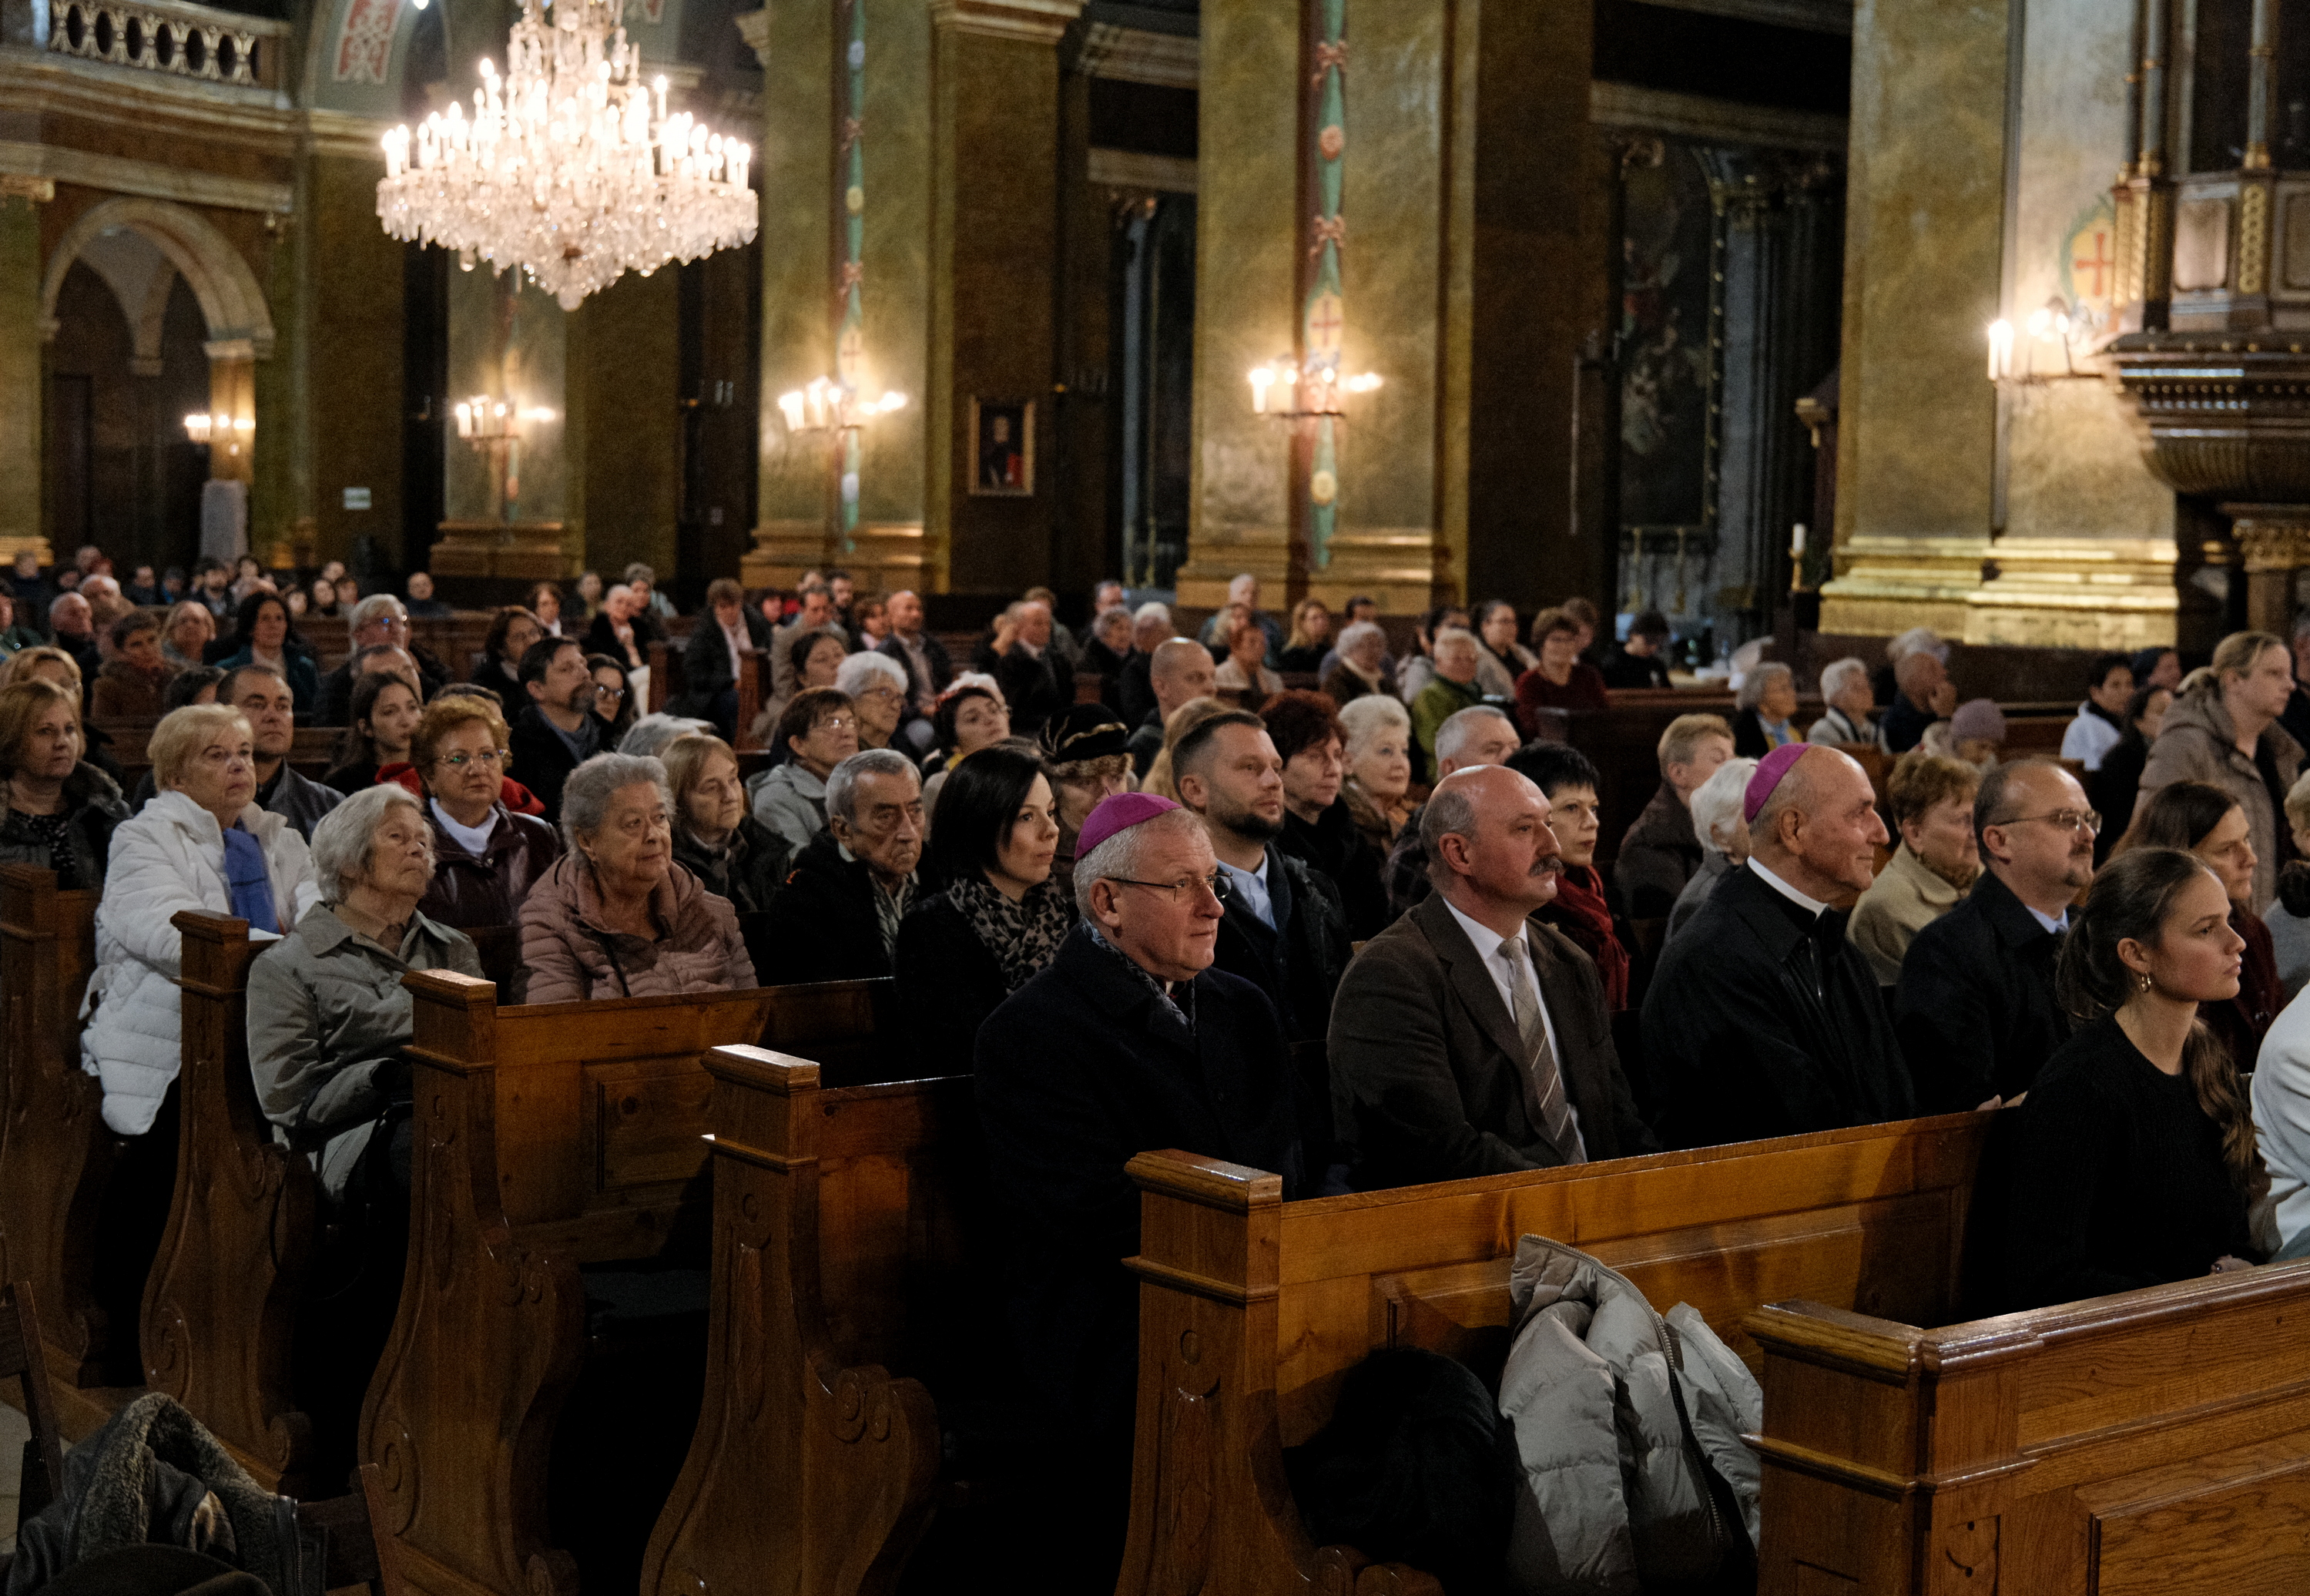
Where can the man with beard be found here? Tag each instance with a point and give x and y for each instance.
(1977, 1011)
(1932, 799)
(1762, 1019)
(1471, 1038)
(557, 731)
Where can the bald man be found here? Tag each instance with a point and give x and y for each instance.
(1762, 1019)
(1470, 1038)
(1180, 669)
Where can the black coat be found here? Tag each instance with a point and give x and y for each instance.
(1976, 1012)
(747, 870)
(1760, 1021)
(1036, 687)
(1082, 1069)
(1338, 849)
(706, 662)
(1134, 691)
(1626, 669)
(1905, 725)
(541, 761)
(949, 983)
(2116, 787)
(933, 652)
(821, 924)
(1298, 967)
(1658, 855)
(1428, 1076)
(2115, 1178)
(1749, 739)
(92, 808)
(336, 705)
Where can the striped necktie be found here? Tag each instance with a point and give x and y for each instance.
(1545, 1080)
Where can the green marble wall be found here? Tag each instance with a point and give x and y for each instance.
(624, 366)
(796, 220)
(509, 337)
(893, 471)
(353, 379)
(20, 372)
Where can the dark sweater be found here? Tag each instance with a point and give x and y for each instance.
(2116, 1178)
(1333, 845)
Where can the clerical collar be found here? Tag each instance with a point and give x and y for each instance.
(1810, 906)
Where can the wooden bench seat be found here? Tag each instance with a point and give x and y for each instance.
(668, 682)
(545, 1138)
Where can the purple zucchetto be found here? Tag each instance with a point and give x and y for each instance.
(1118, 813)
(1770, 771)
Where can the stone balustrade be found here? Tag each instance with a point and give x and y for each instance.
(172, 38)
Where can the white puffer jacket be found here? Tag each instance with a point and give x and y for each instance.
(169, 857)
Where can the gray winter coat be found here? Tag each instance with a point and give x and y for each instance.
(1615, 1406)
(326, 1010)
(2199, 742)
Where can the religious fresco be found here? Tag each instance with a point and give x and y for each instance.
(1664, 344)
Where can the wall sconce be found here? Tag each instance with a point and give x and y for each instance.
(2052, 322)
(1314, 392)
(483, 420)
(219, 428)
(830, 408)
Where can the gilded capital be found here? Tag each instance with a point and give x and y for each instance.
(2272, 537)
(1037, 21)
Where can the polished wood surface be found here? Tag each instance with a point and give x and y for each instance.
(220, 1305)
(23, 1360)
(545, 1137)
(56, 1152)
(1252, 1310)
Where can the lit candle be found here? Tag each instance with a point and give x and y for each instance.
(1261, 377)
(1796, 541)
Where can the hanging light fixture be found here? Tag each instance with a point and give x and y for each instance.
(569, 168)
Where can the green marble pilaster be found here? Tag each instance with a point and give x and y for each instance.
(894, 551)
(20, 376)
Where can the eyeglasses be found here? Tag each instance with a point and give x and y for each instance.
(2062, 820)
(1171, 889)
(487, 756)
(834, 723)
(611, 693)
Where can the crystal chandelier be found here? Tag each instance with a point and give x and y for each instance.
(569, 168)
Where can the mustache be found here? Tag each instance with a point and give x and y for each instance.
(1552, 865)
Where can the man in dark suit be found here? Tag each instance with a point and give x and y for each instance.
(378, 619)
(716, 654)
(1469, 1038)
(1127, 1041)
(924, 658)
(557, 731)
(1976, 1008)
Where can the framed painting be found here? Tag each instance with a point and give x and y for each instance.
(1003, 451)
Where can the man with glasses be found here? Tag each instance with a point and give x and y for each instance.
(1471, 1038)
(377, 621)
(1975, 1010)
(836, 917)
(557, 730)
(1127, 1040)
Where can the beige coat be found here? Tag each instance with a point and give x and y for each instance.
(2199, 742)
(1906, 898)
(568, 953)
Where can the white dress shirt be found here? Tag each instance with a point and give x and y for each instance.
(735, 636)
(1497, 966)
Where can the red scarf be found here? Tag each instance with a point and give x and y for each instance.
(1581, 912)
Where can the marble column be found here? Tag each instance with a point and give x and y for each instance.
(22, 349)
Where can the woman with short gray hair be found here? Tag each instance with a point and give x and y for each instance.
(1766, 700)
(617, 916)
(327, 1013)
(1718, 820)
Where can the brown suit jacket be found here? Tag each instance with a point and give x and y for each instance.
(1427, 1079)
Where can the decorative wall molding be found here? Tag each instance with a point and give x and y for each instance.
(1721, 121)
(39, 190)
(1131, 168)
(1035, 21)
(146, 179)
(754, 29)
(35, 84)
(347, 136)
(1814, 16)
(1138, 56)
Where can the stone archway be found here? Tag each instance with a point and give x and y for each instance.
(231, 302)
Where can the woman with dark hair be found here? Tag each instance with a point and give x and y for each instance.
(613, 698)
(61, 809)
(1500, 659)
(1002, 915)
(499, 664)
(544, 606)
(2134, 1159)
(816, 658)
(2200, 819)
(385, 716)
(969, 715)
(263, 635)
(1319, 827)
(2116, 786)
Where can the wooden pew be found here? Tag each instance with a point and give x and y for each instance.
(668, 683)
(1252, 1310)
(2156, 1441)
(56, 1152)
(546, 1136)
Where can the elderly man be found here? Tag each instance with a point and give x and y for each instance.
(378, 619)
(1976, 1010)
(816, 614)
(717, 655)
(1660, 852)
(837, 916)
(1845, 685)
(1925, 695)
(1483, 735)
(923, 657)
(1761, 1019)
(557, 731)
(1243, 588)
(1036, 679)
(259, 692)
(1471, 1038)
(1285, 930)
(1128, 1040)
(1150, 629)
(73, 622)
(1179, 669)
(1450, 690)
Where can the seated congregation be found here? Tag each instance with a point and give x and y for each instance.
(1153, 894)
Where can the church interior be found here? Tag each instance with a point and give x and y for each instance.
(1917, 367)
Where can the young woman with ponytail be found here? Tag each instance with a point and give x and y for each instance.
(2134, 1160)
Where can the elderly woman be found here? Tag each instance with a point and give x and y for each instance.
(62, 811)
(201, 844)
(617, 917)
(731, 852)
(499, 664)
(1109, 649)
(384, 715)
(1935, 863)
(133, 682)
(1719, 821)
(1377, 786)
(1245, 671)
(1319, 824)
(485, 857)
(1002, 915)
(1087, 755)
(1762, 711)
(327, 1013)
(876, 686)
(818, 731)
(191, 628)
(1362, 666)
(263, 635)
